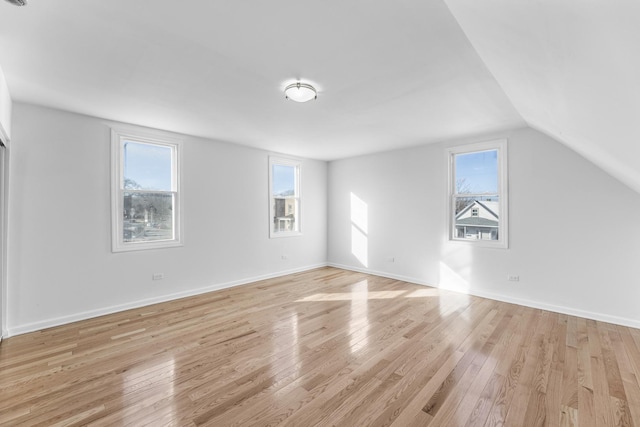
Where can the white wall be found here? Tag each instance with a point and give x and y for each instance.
(61, 267)
(5, 110)
(573, 238)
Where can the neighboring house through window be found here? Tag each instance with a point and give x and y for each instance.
(145, 192)
(478, 221)
(284, 197)
(478, 193)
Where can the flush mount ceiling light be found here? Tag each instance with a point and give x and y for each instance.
(300, 92)
(18, 2)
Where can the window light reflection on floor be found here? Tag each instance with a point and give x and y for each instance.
(359, 319)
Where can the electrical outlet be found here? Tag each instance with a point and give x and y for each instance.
(391, 259)
(157, 276)
(285, 257)
(512, 278)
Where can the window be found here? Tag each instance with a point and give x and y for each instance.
(478, 194)
(284, 197)
(145, 192)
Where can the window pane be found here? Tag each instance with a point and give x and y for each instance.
(476, 172)
(285, 214)
(284, 180)
(147, 217)
(284, 193)
(147, 166)
(477, 218)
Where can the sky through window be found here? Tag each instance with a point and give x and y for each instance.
(477, 172)
(147, 166)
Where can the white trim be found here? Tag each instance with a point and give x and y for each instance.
(287, 161)
(601, 317)
(407, 279)
(84, 315)
(503, 192)
(62, 320)
(118, 134)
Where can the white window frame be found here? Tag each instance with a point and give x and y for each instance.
(503, 192)
(274, 160)
(117, 189)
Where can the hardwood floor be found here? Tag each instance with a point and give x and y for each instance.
(325, 347)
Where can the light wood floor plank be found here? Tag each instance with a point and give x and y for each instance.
(324, 347)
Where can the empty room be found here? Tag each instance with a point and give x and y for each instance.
(306, 213)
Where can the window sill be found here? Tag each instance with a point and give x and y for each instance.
(480, 243)
(284, 234)
(143, 246)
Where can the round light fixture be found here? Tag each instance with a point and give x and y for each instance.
(300, 92)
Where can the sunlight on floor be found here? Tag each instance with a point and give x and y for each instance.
(351, 296)
(423, 293)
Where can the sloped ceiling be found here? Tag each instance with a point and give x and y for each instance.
(389, 74)
(571, 69)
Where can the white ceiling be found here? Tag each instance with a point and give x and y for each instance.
(389, 74)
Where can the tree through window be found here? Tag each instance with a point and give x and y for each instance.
(478, 192)
(146, 196)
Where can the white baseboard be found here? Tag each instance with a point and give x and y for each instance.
(44, 324)
(624, 321)
(63, 320)
(381, 274)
